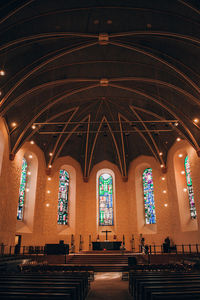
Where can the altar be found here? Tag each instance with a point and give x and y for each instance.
(106, 245)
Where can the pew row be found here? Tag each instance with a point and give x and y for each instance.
(164, 285)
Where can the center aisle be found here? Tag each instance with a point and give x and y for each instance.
(109, 286)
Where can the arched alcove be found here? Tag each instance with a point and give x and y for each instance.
(26, 224)
(139, 188)
(70, 226)
(188, 223)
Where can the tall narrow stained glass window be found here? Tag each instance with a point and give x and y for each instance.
(63, 195)
(149, 205)
(20, 209)
(105, 200)
(190, 189)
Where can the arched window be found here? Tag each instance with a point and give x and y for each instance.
(149, 205)
(190, 188)
(20, 210)
(105, 200)
(63, 198)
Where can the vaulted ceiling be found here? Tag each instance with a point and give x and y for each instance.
(100, 80)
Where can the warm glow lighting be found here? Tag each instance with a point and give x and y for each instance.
(47, 205)
(32, 142)
(178, 139)
(185, 190)
(180, 155)
(29, 173)
(0, 93)
(48, 192)
(14, 124)
(49, 178)
(50, 154)
(176, 124)
(27, 190)
(2, 72)
(30, 156)
(162, 166)
(33, 126)
(182, 172)
(165, 204)
(164, 192)
(163, 178)
(196, 120)
(50, 166)
(160, 153)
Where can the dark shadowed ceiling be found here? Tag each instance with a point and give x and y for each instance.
(100, 80)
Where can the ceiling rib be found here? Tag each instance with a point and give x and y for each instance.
(94, 143)
(157, 33)
(42, 65)
(159, 158)
(186, 78)
(15, 11)
(44, 85)
(67, 138)
(195, 144)
(45, 36)
(44, 109)
(122, 143)
(61, 134)
(143, 137)
(86, 148)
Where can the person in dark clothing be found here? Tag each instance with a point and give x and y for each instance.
(166, 245)
(142, 245)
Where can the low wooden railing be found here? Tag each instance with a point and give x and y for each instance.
(178, 249)
(6, 250)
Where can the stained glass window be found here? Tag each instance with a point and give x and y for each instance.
(105, 200)
(190, 189)
(149, 205)
(22, 189)
(63, 195)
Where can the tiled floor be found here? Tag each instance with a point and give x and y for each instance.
(109, 286)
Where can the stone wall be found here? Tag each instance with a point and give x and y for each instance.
(40, 221)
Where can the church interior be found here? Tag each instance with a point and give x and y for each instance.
(99, 126)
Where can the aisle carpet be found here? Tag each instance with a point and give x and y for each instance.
(109, 286)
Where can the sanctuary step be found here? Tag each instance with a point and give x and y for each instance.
(99, 259)
(102, 262)
(106, 252)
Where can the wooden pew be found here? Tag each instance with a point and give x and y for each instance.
(139, 280)
(168, 287)
(34, 296)
(82, 277)
(69, 289)
(78, 283)
(191, 295)
(74, 285)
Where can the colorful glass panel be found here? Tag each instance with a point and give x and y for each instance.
(62, 217)
(190, 189)
(22, 189)
(105, 200)
(149, 205)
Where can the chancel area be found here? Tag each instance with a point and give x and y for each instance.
(100, 134)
